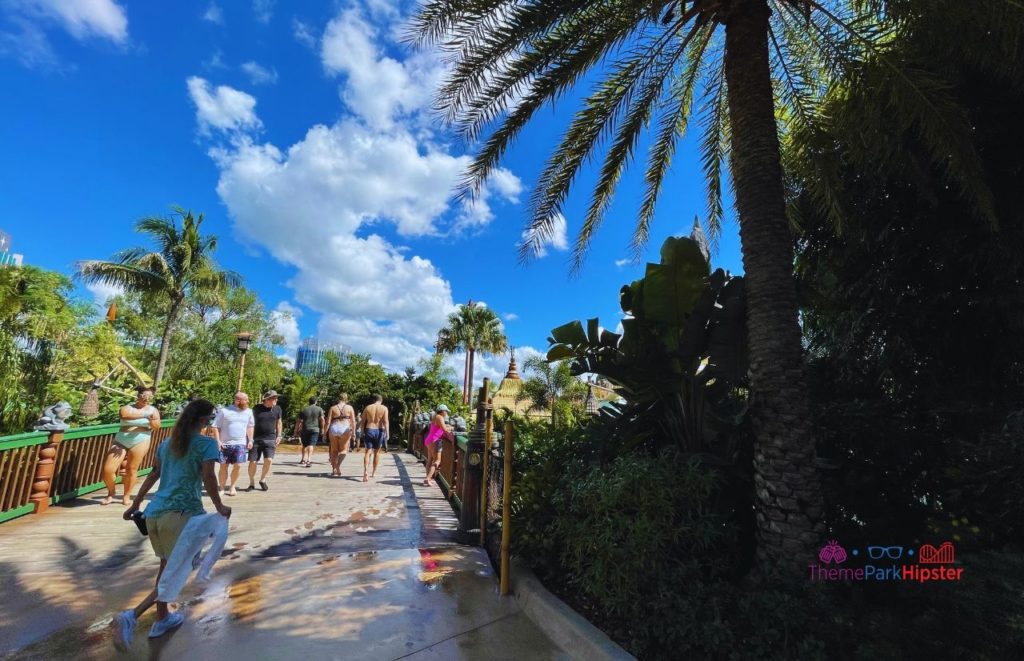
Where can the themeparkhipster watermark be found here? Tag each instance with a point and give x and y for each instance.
(927, 564)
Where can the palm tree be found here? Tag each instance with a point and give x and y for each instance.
(753, 68)
(549, 384)
(472, 328)
(181, 268)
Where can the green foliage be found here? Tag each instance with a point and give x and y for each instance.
(46, 342)
(681, 361)
(552, 386)
(181, 269)
(912, 314)
(472, 328)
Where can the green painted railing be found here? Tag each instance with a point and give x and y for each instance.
(19, 457)
(42, 468)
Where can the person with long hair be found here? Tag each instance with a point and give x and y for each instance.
(339, 431)
(138, 422)
(184, 464)
(439, 428)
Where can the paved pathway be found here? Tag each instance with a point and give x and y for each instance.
(316, 567)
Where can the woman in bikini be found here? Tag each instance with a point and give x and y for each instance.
(138, 422)
(339, 431)
(432, 441)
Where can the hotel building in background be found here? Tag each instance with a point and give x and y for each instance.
(311, 359)
(7, 258)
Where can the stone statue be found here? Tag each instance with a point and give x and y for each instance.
(459, 424)
(53, 418)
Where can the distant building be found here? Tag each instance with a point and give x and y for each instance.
(311, 359)
(599, 394)
(8, 258)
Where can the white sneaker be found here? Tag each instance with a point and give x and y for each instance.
(160, 627)
(124, 629)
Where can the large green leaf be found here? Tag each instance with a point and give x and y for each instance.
(672, 288)
(560, 352)
(570, 333)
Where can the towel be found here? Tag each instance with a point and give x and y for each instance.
(197, 532)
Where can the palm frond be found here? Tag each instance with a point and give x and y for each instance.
(126, 276)
(715, 148)
(627, 135)
(672, 128)
(538, 76)
(921, 102)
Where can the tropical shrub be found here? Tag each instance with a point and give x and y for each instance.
(680, 364)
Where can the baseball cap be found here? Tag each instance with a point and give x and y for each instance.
(444, 408)
(270, 394)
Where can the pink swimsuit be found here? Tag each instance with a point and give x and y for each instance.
(433, 434)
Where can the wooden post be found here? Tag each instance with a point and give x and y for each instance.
(488, 432)
(469, 470)
(506, 508)
(43, 479)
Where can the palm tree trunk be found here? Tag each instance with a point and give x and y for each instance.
(165, 342)
(465, 378)
(787, 486)
(469, 378)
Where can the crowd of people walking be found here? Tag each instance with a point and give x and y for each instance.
(206, 449)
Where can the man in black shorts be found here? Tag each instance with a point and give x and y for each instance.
(374, 425)
(311, 423)
(266, 436)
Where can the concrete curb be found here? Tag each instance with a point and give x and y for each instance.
(567, 628)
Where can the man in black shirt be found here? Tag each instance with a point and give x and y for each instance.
(266, 435)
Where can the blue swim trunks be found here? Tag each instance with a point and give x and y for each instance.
(374, 439)
(233, 454)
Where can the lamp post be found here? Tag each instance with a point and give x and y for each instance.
(244, 340)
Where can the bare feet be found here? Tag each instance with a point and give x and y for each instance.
(107, 500)
(231, 492)
(126, 501)
(364, 478)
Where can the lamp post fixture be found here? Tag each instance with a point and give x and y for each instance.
(244, 340)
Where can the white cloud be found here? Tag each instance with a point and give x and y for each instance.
(303, 33)
(259, 75)
(622, 262)
(102, 292)
(554, 238)
(511, 316)
(27, 21)
(223, 108)
(378, 88)
(214, 14)
(381, 162)
(264, 10)
(285, 320)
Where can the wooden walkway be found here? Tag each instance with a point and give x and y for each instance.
(316, 566)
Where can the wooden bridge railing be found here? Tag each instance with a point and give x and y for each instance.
(41, 468)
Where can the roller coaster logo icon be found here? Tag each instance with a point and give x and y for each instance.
(929, 555)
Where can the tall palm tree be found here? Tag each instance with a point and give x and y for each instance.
(753, 68)
(471, 329)
(182, 267)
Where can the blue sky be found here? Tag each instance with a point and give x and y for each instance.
(303, 132)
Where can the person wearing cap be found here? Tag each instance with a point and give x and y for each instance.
(266, 436)
(432, 441)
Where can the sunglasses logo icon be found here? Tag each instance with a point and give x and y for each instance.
(891, 552)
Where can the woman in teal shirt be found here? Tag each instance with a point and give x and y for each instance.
(138, 422)
(184, 464)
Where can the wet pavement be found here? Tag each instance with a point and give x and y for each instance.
(317, 567)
